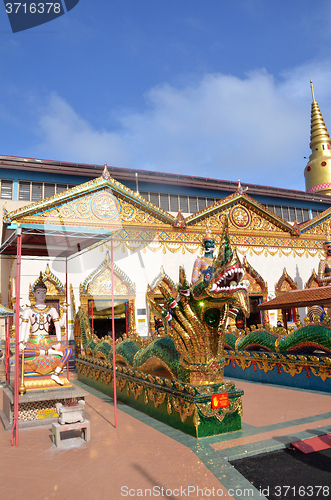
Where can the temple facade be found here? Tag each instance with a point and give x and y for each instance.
(150, 224)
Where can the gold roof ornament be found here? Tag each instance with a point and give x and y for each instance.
(328, 237)
(208, 236)
(318, 169)
(105, 173)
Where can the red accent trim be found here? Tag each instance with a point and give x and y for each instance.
(17, 330)
(7, 350)
(326, 185)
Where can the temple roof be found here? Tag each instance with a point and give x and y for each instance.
(246, 201)
(4, 311)
(299, 298)
(73, 220)
(127, 175)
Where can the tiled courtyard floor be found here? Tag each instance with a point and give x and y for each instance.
(143, 453)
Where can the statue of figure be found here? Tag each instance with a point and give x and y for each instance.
(42, 353)
(201, 264)
(324, 268)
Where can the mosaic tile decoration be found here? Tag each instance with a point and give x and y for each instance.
(29, 411)
(38, 410)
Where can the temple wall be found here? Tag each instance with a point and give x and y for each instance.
(144, 265)
(268, 243)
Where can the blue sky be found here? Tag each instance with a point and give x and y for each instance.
(201, 87)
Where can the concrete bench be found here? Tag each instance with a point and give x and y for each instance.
(57, 429)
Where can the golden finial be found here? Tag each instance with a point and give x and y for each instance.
(105, 173)
(312, 89)
(208, 235)
(317, 174)
(107, 258)
(239, 188)
(328, 238)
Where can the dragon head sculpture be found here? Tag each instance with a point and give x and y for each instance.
(221, 282)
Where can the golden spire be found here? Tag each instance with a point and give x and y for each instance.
(319, 135)
(312, 90)
(318, 170)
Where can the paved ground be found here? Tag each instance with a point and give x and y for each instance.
(145, 454)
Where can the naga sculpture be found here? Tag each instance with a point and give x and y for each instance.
(176, 375)
(195, 317)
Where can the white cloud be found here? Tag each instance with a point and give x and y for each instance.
(254, 128)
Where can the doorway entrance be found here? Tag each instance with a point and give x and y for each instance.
(255, 317)
(101, 319)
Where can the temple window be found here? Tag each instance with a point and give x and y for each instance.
(24, 191)
(6, 189)
(278, 211)
(175, 202)
(35, 191)
(183, 203)
(285, 213)
(61, 187)
(291, 214)
(174, 205)
(164, 201)
(49, 190)
(193, 204)
(315, 212)
(154, 198)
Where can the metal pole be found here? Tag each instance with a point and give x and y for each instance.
(113, 327)
(7, 351)
(67, 323)
(17, 332)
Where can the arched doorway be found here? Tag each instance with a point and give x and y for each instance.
(285, 284)
(96, 299)
(258, 293)
(154, 294)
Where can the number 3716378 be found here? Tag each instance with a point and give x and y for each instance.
(33, 8)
